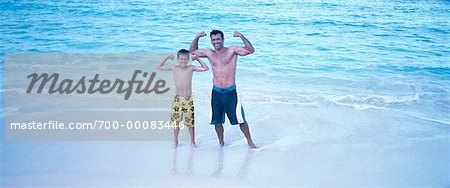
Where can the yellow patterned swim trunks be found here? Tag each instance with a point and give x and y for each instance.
(183, 107)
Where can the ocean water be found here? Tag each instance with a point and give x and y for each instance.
(355, 73)
(375, 54)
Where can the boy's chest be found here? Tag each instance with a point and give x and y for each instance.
(182, 73)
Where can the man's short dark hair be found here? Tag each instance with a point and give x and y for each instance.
(183, 52)
(215, 32)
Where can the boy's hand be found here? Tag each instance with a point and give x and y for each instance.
(202, 34)
(237, 34)
(194, 57)
(170, 57)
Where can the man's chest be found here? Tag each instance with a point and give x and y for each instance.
(223, 60)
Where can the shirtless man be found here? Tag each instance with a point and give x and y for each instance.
(224, 99)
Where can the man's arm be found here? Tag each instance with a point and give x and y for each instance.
(248, 47)
(204, 67)
(161, 66)
(194, 46)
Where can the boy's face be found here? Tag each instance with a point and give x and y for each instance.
(183, 60)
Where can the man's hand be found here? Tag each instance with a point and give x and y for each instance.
(202, 34)
(237, 34)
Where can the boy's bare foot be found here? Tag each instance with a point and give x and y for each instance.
(175, 144)
(193, 145)
(222, 144)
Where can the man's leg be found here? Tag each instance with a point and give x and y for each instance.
(219, 131)
(236, 115)
(246, 131)
(217, 114)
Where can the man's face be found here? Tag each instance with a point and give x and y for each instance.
(183, 60)
(217, 41)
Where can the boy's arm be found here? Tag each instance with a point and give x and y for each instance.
(161, 66)
(204, 67)
(247, 49)
(194, 46)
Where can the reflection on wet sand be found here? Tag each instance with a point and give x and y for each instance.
(219, 163)
(243, 171)
(189, 165)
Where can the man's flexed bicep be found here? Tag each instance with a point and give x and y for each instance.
(194, 46)
(200, 52)
(243, 50)
(239, 50)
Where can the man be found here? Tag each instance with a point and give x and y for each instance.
(224, 98)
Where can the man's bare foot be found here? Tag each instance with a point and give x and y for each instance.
(175, 144)
(251, 145)
(193, 145)
(221, 144)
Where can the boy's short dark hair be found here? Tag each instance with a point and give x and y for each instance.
(215, 32)
(183, 52)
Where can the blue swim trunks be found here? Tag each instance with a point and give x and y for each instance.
(225, 101)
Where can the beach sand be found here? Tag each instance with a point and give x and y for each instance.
(302, 146)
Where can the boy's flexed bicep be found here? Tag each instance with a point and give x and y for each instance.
(161, 66)
(201, 68)
(166, 68)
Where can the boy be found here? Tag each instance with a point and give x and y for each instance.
(183, 104)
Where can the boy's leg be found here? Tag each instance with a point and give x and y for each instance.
(189, 119)
(176, 118)
(192, 133)
(176, 132)
(246, 131)
(219, 131)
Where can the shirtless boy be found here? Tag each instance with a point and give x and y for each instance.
(183, 104)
